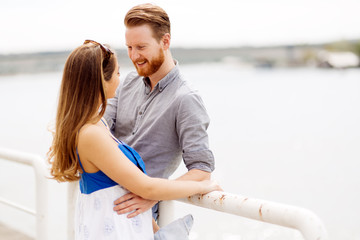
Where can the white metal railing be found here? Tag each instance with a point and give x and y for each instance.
(301, 219)
(297, 218)
(38, 165)
(309, 225)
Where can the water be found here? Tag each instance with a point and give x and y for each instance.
(285, 135)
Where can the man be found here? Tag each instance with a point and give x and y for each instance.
(155, 111)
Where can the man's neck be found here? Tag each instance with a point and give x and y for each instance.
(165, 68)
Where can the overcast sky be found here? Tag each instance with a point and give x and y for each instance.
(52, 25)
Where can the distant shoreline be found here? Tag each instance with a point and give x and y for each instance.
(304, 55)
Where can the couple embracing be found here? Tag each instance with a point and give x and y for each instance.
(106, 133)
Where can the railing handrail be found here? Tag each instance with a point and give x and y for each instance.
(298, 218)
(38, 164)
(301, 219)
(310, 225)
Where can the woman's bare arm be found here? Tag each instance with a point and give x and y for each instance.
(98, 148)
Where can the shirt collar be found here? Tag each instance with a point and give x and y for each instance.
(161, 85)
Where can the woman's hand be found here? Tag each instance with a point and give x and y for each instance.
(209, 186)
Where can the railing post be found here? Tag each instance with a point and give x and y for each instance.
(166, 212)
(41, 187)
(72, 192)
(41, 199)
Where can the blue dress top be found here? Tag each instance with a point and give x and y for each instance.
(91, 182)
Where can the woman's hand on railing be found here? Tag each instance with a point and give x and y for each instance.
(209, 186)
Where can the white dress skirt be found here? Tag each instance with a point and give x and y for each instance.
(95, 218)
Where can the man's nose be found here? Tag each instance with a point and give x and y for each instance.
(134, 55)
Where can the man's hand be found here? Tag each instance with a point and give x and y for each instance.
(130, 202)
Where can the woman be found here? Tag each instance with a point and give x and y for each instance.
(84, 149)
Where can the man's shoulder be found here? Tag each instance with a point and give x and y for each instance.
(186, 93)
(186, 90)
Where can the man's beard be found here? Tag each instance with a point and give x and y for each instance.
(152, 66)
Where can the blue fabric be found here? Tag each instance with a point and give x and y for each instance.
(131, 154)
(91, 182)
(155, 211)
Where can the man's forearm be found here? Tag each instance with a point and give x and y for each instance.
(195, 175)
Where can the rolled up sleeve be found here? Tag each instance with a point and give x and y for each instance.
(202, 160)
(192, 123)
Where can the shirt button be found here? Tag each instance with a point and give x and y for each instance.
(140, 113)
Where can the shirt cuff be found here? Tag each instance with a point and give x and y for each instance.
(202, 160)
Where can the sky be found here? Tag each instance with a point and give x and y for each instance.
(57, 25)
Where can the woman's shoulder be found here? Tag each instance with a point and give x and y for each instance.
(90, 129)
(91, 134)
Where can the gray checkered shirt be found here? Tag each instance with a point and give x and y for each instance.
(164, 125)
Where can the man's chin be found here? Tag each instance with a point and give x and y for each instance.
(141, 72)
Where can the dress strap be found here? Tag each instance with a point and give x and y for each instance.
(136, 159)
(77, 154)
(104, 123)
(116, 140)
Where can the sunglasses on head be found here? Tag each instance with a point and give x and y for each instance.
(105, 49)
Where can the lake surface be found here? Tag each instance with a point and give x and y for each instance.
(286, 135)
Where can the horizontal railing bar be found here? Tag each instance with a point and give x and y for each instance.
(298, 218)
(19, 157)
(17, 206)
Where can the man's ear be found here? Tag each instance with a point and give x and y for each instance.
(166, 41)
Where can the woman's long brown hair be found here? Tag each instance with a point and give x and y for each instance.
(81, 93)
